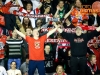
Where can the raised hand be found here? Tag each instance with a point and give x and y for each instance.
(54, 23)
(58, 8)
(72, 8)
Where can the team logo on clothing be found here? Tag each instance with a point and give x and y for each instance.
(78, 40)
(37, 45)
(49, 63)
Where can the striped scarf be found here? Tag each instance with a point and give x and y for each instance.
(62, 74)
(61, 45)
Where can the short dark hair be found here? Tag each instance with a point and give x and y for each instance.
(12, 62)
(61, 1)
(28, 2)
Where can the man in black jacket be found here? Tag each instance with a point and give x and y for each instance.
(78, 43)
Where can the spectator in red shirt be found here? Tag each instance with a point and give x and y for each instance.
(36, 50)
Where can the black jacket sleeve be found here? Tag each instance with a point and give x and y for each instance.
(89, 51)
(97, 72)
(66, 36)
(92, 34)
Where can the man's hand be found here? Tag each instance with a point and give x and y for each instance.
(92, 73)
(98, 28)
(26, 73)
(55, 24)
(58, 8)
(13, 0)
(72, 8)
(15, 28)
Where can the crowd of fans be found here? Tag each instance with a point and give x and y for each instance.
(14, 50)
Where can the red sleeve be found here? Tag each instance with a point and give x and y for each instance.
(6, 8)
(27, 38)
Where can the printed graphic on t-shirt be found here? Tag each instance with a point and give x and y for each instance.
(37, 44)
(61, 15)
(1, 45)
(49, 63)
(78, 40)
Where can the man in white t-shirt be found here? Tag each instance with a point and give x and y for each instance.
(13, 70)
(2, 71)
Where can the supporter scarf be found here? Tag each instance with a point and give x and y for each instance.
(92, 69)
(50, 21)
(70, 30)
(61, 45)
(19, 13)
(37, 10)
(62, 74)
(56, 57)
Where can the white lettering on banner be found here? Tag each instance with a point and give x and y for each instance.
(30, 15)
(78, 40)
(68, 30)
(57, 40)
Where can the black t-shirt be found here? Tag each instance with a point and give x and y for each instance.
(62, 13)
(49, 63)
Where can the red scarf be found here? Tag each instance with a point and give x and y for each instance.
(62, 74)
(94, 67)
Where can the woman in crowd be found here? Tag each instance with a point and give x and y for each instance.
(60, 70)
(25, 24)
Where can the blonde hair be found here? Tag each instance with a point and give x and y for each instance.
(91, 56)
(58, 67)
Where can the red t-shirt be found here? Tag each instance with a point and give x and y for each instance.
(36, 47)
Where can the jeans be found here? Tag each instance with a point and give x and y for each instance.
(78, 63)
(36, 64)
(2, 62)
